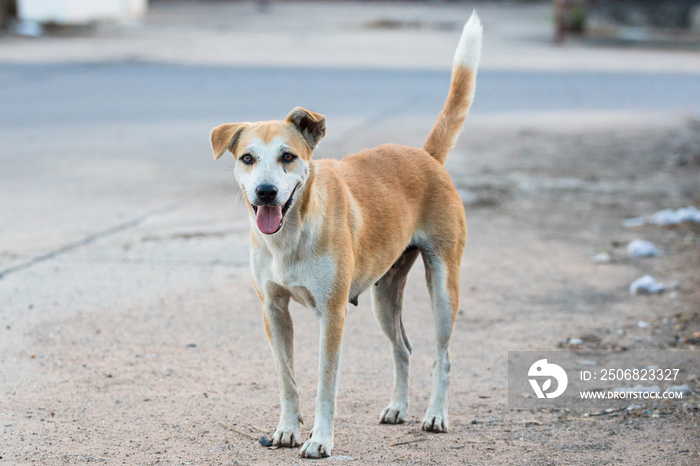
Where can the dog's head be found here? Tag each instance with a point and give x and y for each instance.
(272, 161)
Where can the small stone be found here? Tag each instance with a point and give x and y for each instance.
(642, 324)
(590, 338)
(265, 442)
(602, 258)
(575, 341)
(474, 421)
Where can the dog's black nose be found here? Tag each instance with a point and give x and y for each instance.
(266, 193)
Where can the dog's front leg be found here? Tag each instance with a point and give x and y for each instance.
(331, 325)
(280, 333)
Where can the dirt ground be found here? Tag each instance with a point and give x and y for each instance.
(147, 346)
(187, 377)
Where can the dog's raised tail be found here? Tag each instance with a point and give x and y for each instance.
(446, 131)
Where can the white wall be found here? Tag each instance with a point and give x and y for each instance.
(80, 11)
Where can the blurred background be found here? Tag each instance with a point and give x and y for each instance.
(124, 278)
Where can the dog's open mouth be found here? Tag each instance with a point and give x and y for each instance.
(270, 217)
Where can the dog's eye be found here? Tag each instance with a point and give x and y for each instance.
(247, 159)
(288, 157)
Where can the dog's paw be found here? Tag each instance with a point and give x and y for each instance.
(287, 437)
(435, 423)
(316, 448)
(393, 414)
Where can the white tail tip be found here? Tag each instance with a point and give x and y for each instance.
(468, 51)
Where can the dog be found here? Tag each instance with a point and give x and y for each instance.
(324, 231)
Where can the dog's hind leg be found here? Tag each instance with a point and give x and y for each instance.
(387, 300)
(442, 275)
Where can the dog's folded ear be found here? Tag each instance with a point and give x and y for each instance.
(311, 125)
(225, 137)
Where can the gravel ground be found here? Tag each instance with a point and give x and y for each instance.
(173, 365)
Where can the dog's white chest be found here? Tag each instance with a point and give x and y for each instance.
(308, 279)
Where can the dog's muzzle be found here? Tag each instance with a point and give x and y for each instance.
(268, 217)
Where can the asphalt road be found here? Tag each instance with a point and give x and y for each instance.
(71, 96)
(85, 148)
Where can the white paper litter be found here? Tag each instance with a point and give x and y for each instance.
(666, 217)
(646, 285)
(641, 248)
(681, 389)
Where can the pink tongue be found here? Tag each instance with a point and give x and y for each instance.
(269, 218)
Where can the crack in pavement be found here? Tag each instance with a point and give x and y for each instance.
(163, 262)
(91, 238)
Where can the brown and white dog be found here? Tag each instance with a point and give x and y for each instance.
(323, 231)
